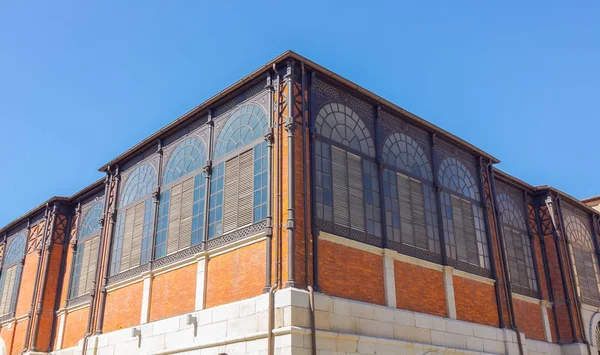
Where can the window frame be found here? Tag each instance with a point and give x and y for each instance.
(17, 263)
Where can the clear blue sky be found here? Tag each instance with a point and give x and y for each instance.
(81, 82)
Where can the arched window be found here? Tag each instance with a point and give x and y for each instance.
(11, 274)
(132, 243)
(518, 245)
(464, 227)
(581, 248)
(347, 187)
(410, 207)
(181, 209)
(86, 255)
(238, 188)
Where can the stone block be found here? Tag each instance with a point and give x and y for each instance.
(362, 310)
(247, 307)
(180, 338)
(475, 344)
(323, 303)
(485, 332)
(242, 326)
(411, 333)
(344, 324)
(341, 307)
(376, 328)
(404, 317)
(448, 339)
(228, 311)
(168, 325)
(430, 322)
(459, 327)
(323, 320)
(384, 314)
(494, 346)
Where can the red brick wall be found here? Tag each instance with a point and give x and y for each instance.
(529, 319)
(19, 338)
(475, 301)
(123, 307)
(173, 293)
(7, 336)
(47, 316)
(236, 275)
(75, 327)
(428, 284)
(350, 273)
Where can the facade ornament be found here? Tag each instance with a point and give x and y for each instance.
(207, 169)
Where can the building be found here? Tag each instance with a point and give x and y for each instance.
(298, 213)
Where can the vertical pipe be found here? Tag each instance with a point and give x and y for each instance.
(156, 198)
(47, 251)
(112, 216)
(546, 267)
(207, 175)
(290, 126)
(438, 199)
(380, 176)
(313, 216)
(37, 279)
(278, 205)
(304, 178)
(269, 219)
(486, 220)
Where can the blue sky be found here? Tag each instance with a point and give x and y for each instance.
(81, 82)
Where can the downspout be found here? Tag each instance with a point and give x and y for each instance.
(269, 219)
(156, 197)
(271, 320)
(561, 266)
(438, 201)
(313, 216)
(504, 258)
(290, 126)
(112, 216)
(90, 323)
(380, 168)
(313, 328)
(61, 280)
(304, 171)
(546, 269)
(278, 206)
(572, 274)
(485, 207)
(37, 279)
(47, 250)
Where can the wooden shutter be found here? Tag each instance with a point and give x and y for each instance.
(245, 189)
(340, 187)
(412, 212)
(356, 193)
(91, 245)
(464, 230)
(84, 271)
(132, 236)
(230, 195)
(586, 274)
(9, 278)
(180, 216)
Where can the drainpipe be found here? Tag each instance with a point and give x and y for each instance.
(304, 179)
(278, 206)
(290, 126)
(37, 278)
(269, 219)
(313, 328)
(572, 274)
(313, 216)
(47, 250)
(156, 198)
(271, 320)
(504, 258)
(486, 220)
(546, 268)
(555, 232)
(207, 169)
(438, 201)
(112, 216)
(380, 168)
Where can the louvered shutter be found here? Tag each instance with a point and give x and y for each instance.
(91, 275)
(174, 218)
(511, 251)
(412, 212)
(405, 201)
(586, 275)
(464, 230)
(245, 189)
(355, 192)
(187, 200)
(8, 277)
(132, 236)
(340, 187)
(230, 200)
(85, 263)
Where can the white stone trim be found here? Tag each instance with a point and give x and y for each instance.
(61, 331)
(547, 332)
(589, 307)
(466, 275)
(201, 280)
(350, 243)
(412, 260)
(448, 271)
(147, 288)
(72, 309)
(525, 298)
(389, 279)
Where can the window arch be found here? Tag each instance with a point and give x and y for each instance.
(238, 187)
(581, 247)
(456, 177)
(409, 198)
(464, 227)
(342, 125)
(245, 125)
(132, 242)
(403, 152)
(347, 183)
(181, 208)
(11, 274)
(86, 253)
(140, 183)
(188, 156)
(518, 244)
